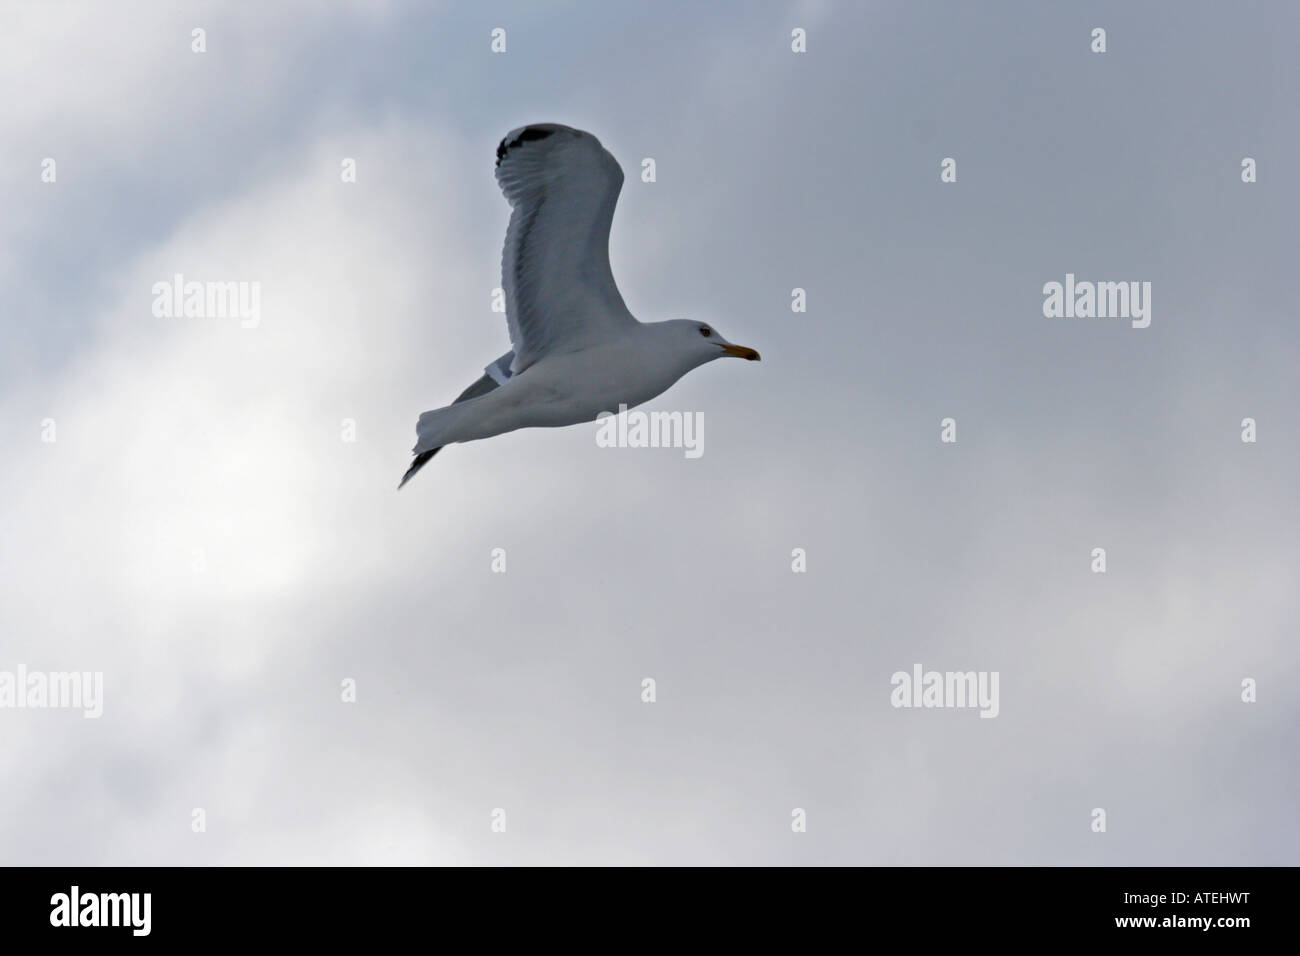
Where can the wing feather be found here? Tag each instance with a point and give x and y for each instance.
(560, 291)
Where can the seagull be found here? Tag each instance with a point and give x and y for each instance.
(576, 349)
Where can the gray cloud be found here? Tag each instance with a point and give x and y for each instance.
(183, 441)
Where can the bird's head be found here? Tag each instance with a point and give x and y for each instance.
(704, 343)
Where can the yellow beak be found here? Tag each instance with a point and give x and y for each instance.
(740, 351)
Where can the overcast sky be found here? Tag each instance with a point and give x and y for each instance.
(181, 510)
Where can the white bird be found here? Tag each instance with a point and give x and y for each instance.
(578, 351)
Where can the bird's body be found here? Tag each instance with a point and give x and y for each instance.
(578, 351)
(567, 389)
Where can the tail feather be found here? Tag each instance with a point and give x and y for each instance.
(432, 434)
(431, 423)
(435, 430)
(443, 426)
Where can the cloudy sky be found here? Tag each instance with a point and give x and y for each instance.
(183, 513)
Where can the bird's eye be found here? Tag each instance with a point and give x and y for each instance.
(704, 331)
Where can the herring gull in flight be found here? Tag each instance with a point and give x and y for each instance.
(577, 350)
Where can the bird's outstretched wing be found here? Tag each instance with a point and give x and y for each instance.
(560, 292)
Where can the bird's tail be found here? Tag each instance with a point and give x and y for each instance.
(446, 425)
(437, 428)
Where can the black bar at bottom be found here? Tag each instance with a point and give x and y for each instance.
(371, 905)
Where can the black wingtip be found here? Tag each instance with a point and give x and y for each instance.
(421, 460)
(526, 135)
